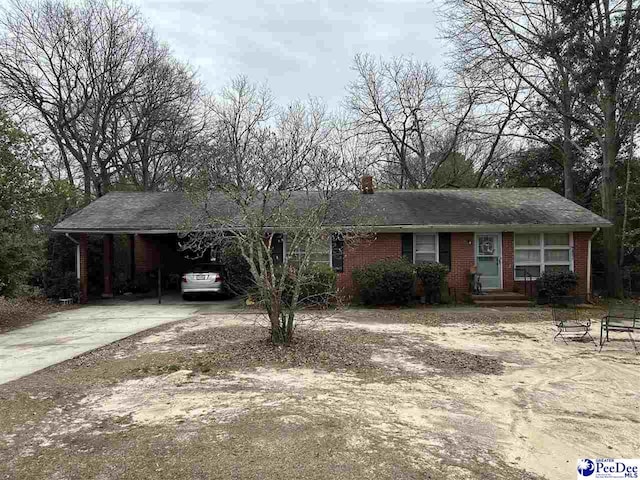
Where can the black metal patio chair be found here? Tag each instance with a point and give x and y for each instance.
(566, 318)
(620, 317)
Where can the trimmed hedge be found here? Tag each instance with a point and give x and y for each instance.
(556, 284)
(238, 277)
(386, 282)
(320, 287)
(317, 289)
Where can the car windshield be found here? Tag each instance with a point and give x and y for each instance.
(207, 268)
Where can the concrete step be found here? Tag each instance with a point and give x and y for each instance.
(502, 303)
(493, 295)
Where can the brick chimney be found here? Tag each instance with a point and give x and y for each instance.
(366, 184)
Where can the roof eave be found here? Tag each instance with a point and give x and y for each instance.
(97, 231)
(518, 228)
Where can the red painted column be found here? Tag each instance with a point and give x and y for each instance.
(107, 264)
(84, 268)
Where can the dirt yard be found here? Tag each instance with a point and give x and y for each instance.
(476, 394)
(21, 312)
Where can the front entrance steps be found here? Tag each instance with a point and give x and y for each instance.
(501, 298)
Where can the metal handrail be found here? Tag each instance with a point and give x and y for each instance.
(528, 276)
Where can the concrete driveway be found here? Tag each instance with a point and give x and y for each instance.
(68, 334)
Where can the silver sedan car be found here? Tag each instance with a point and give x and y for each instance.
(203, 278)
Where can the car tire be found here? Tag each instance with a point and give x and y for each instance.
(186, 297)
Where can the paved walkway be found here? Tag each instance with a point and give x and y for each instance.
(68, 334)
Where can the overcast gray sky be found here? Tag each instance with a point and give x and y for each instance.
(299, 48)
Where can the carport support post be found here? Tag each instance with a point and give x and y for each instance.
(132, 259)
(107, 264)
(159, 285)
(84, 269)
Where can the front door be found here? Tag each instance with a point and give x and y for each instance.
(489, 259)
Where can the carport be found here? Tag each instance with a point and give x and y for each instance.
(138, 239)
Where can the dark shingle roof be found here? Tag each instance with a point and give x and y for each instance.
(470, 209)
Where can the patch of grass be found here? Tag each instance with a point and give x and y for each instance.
(21, 408)
(316, 450)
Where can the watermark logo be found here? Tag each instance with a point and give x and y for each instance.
(609, 468)
(586, 467)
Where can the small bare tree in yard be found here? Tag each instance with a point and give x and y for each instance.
(283, 280)
(269, 195)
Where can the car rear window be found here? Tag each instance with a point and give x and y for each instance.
(208, 268)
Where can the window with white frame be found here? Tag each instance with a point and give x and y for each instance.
(536, 253)
(320, 251)
(425, 247)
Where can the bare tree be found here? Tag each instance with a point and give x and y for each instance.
(393, 102)
(172, 119)
(356, 152)
(413, 124)
(498, 64)
(241, 115)
(84, 71)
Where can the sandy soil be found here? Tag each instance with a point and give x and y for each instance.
(361, 397)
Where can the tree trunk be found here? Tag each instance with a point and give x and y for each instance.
(609, 210)
(278, 335)
(67, 167)
(625, 214)
(105, 179)
(87, 183)
(569, 160)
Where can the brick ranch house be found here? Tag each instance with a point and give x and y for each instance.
(507, 233)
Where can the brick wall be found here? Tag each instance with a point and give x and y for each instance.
(146, 253)
(580, 253)
(389, 245)
(507, 261)
(462, 259)
(385, 245)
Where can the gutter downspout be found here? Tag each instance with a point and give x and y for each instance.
(589, 262)
(78, 254)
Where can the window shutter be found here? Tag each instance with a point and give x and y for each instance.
(444, 242)
(407, 246)
(277, 248)
(337, 253)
